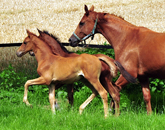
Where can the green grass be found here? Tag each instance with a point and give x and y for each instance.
(18, 116)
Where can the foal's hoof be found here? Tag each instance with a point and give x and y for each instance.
(57, 107)
(29, 105)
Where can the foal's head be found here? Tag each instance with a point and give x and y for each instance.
(27, 45)
(85, 26)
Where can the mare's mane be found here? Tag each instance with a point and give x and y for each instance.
(117, 16)
(58, 41)
(120, 18)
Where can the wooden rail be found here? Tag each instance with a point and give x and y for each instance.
(65, 44)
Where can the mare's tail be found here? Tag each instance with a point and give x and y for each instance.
(125, 74)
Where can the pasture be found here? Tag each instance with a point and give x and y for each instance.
(61, 18)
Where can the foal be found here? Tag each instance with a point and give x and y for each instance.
(54, 69)
(105, 77)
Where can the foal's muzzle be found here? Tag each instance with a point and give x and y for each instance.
(19, 53)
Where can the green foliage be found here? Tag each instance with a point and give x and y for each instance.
(157, 85)
(109, 52)
(11, 85)
(10, 80)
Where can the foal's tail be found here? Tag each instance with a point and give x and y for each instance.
(125, 74)
(110, 62)
(115, 66)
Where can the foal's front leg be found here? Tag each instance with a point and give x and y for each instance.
(52, 97)
(38, 81)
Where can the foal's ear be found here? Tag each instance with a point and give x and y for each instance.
(39, 31)
(29, 33)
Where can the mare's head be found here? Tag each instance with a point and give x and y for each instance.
(27, 45)
(86, 27)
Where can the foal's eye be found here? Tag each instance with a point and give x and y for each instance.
(25, 43)
(82, 23)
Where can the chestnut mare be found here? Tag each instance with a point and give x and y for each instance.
(105, 77)
(54, 69)
(138, 49)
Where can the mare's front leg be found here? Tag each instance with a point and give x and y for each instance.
(146, 93)
(38, 81)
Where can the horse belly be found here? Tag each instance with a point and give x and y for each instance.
(156, 74)
(68, 78)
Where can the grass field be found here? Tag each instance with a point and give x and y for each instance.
(19, 116)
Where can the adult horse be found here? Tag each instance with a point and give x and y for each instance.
(105, 77)
(138, 49)
(54, 69)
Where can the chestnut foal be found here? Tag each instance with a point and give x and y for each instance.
(54, 69)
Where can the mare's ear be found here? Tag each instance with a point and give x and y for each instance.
(86, 10)
(92, 8)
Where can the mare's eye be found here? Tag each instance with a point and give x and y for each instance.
(82, 23)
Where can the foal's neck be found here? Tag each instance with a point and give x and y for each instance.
(42, 50)
(55, 46)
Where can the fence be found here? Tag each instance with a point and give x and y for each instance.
(65, 44)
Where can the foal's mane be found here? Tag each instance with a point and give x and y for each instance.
(58, 41)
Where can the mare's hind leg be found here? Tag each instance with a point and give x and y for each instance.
(39, 80)
(146, 93)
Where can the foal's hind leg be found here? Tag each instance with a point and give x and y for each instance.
(103, 94)
(39, 80)
(70, 93)
(90, 98)
(105, 80)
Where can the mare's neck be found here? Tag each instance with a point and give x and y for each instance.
(116, 30)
